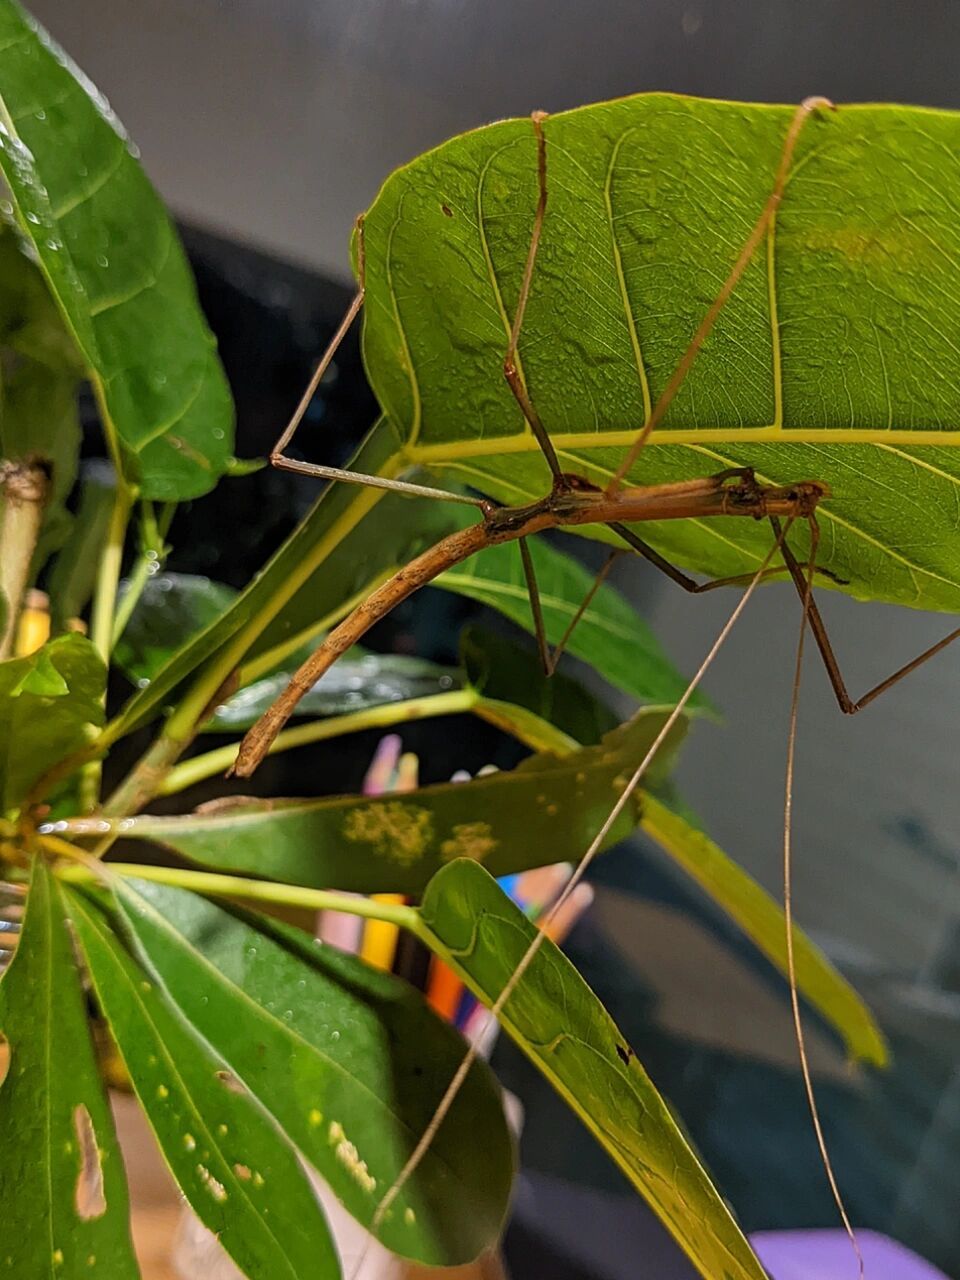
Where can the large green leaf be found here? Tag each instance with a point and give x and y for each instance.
(510, 676)
(41, 377)
(236, 1169)
(363, 1059)
(48, 703)
(761, 918)
(63, 1196)
(563, 1028)
(834, 360)
(610, 635)
(546, 810)
(114, 263)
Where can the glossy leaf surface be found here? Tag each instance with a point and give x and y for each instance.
(546, 810)
(834, 360)
(239, 1174)
(564, 1029)
(114, 263)
(63, 1195)
(610, 635)
(362, 1059)
(48, 701)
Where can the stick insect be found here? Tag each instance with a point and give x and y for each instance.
(573, 501)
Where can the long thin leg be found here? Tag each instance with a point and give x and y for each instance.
(280, 460)
(805, 109)
(511, 370)
(818, 627)
(807, 597)
(683, 580)
(548, 659)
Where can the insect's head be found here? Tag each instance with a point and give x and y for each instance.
(806, 495)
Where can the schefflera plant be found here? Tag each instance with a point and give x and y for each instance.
(250, 1047)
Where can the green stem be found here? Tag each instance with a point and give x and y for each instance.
(101, 618)
(153, 551)
(456, 702)
(108, 577)
(287, 895)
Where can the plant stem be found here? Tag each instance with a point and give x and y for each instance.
(153, 551)
(214, 885)
(457, 701)
(101, 618)
(108, 577)
(23, 486)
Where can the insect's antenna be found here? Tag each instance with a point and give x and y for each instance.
(788, 900)
(806, 109)
(470, 1057)
(276, 455)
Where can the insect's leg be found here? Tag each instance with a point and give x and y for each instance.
(280, 460)
(548, 659)
(818, 627)
(751, 244)
(805, 586)
(511, 368)
(677, 575)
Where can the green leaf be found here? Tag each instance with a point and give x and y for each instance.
(115, 266)
(48, 701)
(363, 1060)
(172, 609)
(41, 378)
(611, 636)
(175, 607)
(304, 582)
(563, 1028)
(236, 1169)
(834, 360)
(63, 1196)
(357, 681)
(504, 672)
(546, 810)
(761, 919)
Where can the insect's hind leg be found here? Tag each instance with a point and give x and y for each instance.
(282, 462)
(511, 367)
(677, 575)
(550, 659)
(818, 627)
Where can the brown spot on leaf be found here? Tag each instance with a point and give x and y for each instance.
(88, 1198)
(447, 211)
(624, 1053)
(230, 1081)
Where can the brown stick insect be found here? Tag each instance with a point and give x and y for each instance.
(573, 501)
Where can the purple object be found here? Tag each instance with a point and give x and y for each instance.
(828, 1255)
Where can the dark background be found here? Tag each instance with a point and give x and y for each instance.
(268, 124)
